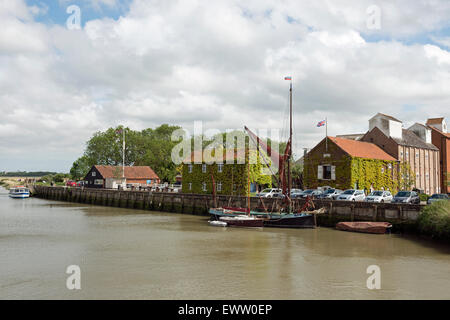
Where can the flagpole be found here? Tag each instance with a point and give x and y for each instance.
(326, 134)
(123, 155)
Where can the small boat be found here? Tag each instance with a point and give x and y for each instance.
(291, 220)
(365, 227)
(243, 221)
(217, 223)
(19, 192)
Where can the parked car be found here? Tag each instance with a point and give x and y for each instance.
(296, 193)
(379, 196)
(410, 197)
(311, 192)
(71, 183)
(278, 195)
(269, 192)
(352, 195)
(437, 197)
(330, 194)
(80, 183)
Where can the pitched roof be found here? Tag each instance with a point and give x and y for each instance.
(410, 139)
(138, 172)
(435, 120)
(361, 149)
(353, 136)
(387, 116)
(440, 132)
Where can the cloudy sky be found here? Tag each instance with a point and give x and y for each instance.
(146, 62)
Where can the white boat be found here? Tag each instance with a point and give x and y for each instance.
(217, 223)
(19, 192)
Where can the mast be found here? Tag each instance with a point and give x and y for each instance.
(290, 149)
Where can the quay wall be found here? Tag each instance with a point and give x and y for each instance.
(402, 216)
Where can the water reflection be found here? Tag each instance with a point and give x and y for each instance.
(149, 255)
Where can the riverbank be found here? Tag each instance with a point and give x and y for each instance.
(403, 216)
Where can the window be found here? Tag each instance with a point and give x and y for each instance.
(190, 168)
(220, 167)
(417, 154)
(407, 154)
(98, 182)
(204, 168)
(382, 169)
(219, 186)
(390, 166)
(401, 154)
(94, 173)
(190, 185)
(326, 172)
(204, 186)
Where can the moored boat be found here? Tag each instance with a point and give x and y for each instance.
(217, 223)
(292, 220)
(19, 192)
(365, 227)
(243, 221)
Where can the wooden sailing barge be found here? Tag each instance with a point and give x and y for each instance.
(286, 217)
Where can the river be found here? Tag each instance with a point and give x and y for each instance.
(132, 254)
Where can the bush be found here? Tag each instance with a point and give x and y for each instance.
(434, 220)
(423, 197)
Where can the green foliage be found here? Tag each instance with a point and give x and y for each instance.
(234, 177)
(434, 220)
(149, 147)
(423, 197)
(80, 168)
(378, 174)
(406, 176)
(351, 171)
(26, 174)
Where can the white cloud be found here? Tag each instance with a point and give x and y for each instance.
(219, 61)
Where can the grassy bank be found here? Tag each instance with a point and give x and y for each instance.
(434, 221)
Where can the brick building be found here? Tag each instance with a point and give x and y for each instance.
(346, 163)
(441, 139)
(410, 146)
(110, 177)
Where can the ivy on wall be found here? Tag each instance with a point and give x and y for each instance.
(234, 177)
(356, 172)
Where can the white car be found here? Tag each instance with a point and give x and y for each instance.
(352, 195)
(379, 196)
(269, 192)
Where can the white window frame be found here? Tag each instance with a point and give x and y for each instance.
(189, 168)
(204, 186)
(204, 168)
(219, 186)
(220, 167)
(321, 172)
(94, 174)
(190, 185)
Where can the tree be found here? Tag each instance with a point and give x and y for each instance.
(80, 168)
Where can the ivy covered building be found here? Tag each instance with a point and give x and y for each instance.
(229, 178)
(346, 164)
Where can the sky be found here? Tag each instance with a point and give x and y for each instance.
(144, 63)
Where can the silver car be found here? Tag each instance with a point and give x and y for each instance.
(269, 192)
(379, 196)
(437, 197)
(352, 195)
(331, 194)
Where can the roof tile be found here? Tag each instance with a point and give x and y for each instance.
(137, 172)
(361, 149)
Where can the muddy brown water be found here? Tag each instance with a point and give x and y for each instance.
(132, 254)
